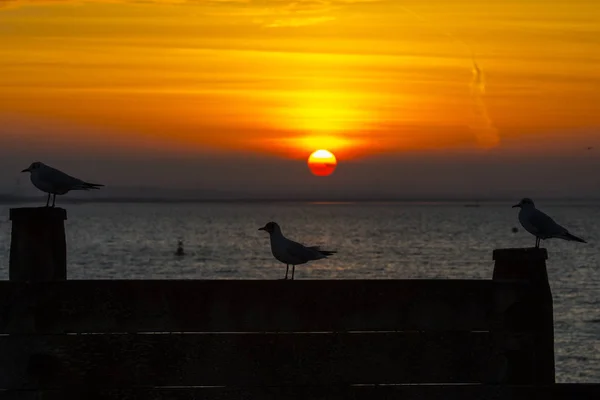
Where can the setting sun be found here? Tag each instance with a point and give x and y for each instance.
(322, 163)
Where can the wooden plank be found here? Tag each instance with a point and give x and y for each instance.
(253, 305)
(404, 392)
(117, 360)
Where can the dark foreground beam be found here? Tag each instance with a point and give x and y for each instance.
(257, 305)
(412, 392)
(62, 361)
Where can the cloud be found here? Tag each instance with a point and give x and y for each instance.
(265, 13)
(6, 3)
(294, 22)
(52, 2)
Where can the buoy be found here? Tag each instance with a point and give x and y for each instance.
(179, 251)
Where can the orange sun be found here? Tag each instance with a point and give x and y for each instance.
(322, 163)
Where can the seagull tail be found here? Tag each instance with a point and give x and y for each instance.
(568, 236)
(327, 252)
(87, 186)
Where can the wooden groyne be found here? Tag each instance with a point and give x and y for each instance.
(259, 339)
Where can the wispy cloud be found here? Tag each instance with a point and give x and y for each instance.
(53, 2)
(294, 22)
(266, 13)
(295, 5)
(285, 13)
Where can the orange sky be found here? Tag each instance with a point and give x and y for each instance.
(356, 77)
(137, 92)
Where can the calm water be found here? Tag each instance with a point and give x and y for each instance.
(116, 241)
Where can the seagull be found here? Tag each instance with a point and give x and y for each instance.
(540, 225)
(289, 252)
(53, 181)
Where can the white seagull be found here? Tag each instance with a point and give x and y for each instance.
(289, 252)
(53, 181)
(540, 225)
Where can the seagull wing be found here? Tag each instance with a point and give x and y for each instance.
(64, 182)
(545, 225)
(301, 252)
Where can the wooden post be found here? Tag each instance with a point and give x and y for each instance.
(534, 314)
(38, 248)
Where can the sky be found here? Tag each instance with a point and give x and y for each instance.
(443, 98)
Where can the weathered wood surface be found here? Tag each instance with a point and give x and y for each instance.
(258, 306)
(119, 360)
(535, 306)
(404, 392)
(38, 247)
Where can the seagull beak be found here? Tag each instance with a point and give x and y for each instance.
(262, 229)
(26, 170)
(516, 205)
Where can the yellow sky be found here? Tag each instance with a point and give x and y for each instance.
(288, 77)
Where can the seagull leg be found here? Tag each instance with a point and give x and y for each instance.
(537, 242)
(48, 201)
(287, 268)
(293, 270)
(53, 200)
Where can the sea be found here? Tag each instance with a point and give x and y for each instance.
(374, 240)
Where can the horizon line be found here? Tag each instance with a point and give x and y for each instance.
(468, 201)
